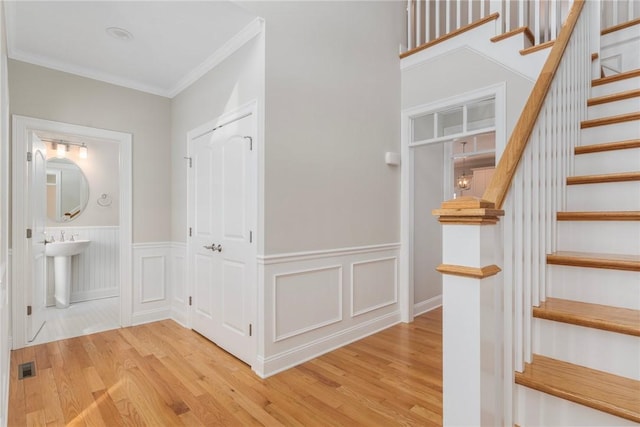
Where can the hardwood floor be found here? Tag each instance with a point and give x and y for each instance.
(161, 374)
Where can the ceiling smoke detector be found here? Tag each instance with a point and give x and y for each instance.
(119, 34)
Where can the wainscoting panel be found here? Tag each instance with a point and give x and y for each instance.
(309, 298)
(375, 284)
(95, 272)
(295, 293)
(153, 278)
(179, 297)
(151, 287)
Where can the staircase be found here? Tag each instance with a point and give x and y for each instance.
(585, 368)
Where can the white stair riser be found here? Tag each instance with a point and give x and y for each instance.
(611, 237)
(583, 346)
(610, 196)
(616, 87)
(610, 133)
(540, 409)
(594, 285)
(608, 162)
(624, 106)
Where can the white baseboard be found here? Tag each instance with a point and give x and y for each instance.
(179, 315)
(290, 358)
(150, 316)
(428, 305)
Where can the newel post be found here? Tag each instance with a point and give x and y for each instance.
(472, 313)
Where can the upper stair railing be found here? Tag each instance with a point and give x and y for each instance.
(430, 20)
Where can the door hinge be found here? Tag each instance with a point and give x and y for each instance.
(190, 232)
(29, 156)
(250, 236)
(250, 329)
(190, 161)
(29, 232)
(250, 142)
(190, 301)
(29, 310)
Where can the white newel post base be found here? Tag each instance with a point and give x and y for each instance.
(472, 312)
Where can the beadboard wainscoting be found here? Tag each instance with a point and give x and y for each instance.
(95, 272)
(151, 282)
(317, 301)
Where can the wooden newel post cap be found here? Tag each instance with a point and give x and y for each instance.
(468, 210)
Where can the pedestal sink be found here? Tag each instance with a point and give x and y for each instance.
(62, 253)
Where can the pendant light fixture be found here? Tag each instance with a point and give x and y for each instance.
(463, 181)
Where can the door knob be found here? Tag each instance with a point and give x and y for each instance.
(213, 247)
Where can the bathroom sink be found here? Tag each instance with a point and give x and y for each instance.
(68, 248)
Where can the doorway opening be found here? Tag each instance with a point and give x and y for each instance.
(66, 195)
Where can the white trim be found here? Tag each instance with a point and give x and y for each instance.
(428, 305)
(325, 253)
(152, 315)
(153, 245)
(265, 367)
(91, 295)
(21, 126)
(395, 285)
(300, 331)
(245, 35)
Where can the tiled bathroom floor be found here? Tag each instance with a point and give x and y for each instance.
(81, 318)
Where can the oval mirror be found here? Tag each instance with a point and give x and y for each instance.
(67, 190)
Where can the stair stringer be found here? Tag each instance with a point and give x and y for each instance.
(505, 52)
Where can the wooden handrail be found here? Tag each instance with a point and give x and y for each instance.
(496, 192)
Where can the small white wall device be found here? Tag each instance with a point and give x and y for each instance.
(392, 159)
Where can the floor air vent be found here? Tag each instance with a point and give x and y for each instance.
(26, 370)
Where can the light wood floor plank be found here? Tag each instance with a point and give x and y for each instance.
(162, 374)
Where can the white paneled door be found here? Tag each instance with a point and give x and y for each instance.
(35, 291)
(222, 245)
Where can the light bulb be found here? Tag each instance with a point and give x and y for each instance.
(61, 151)
(83, 152)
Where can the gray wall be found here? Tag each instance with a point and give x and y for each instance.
(332, 102)
(53, 95)
(236, 81)
(443, 77)
(427, 244)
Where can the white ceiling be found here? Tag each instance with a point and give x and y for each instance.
(174, 42)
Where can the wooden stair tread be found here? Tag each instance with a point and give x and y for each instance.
(608, 146)
(613, 97)
(537, 47)
(600, 178)
(525, 30)
(607, 318)
(599, 216)
(606, 392)
(616, 77)
(604, 121)
(595, 260)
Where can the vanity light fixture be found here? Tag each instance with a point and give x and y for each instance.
(61, 147)
(83, 152)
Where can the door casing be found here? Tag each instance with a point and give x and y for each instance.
(249, 109)
(22, 125)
